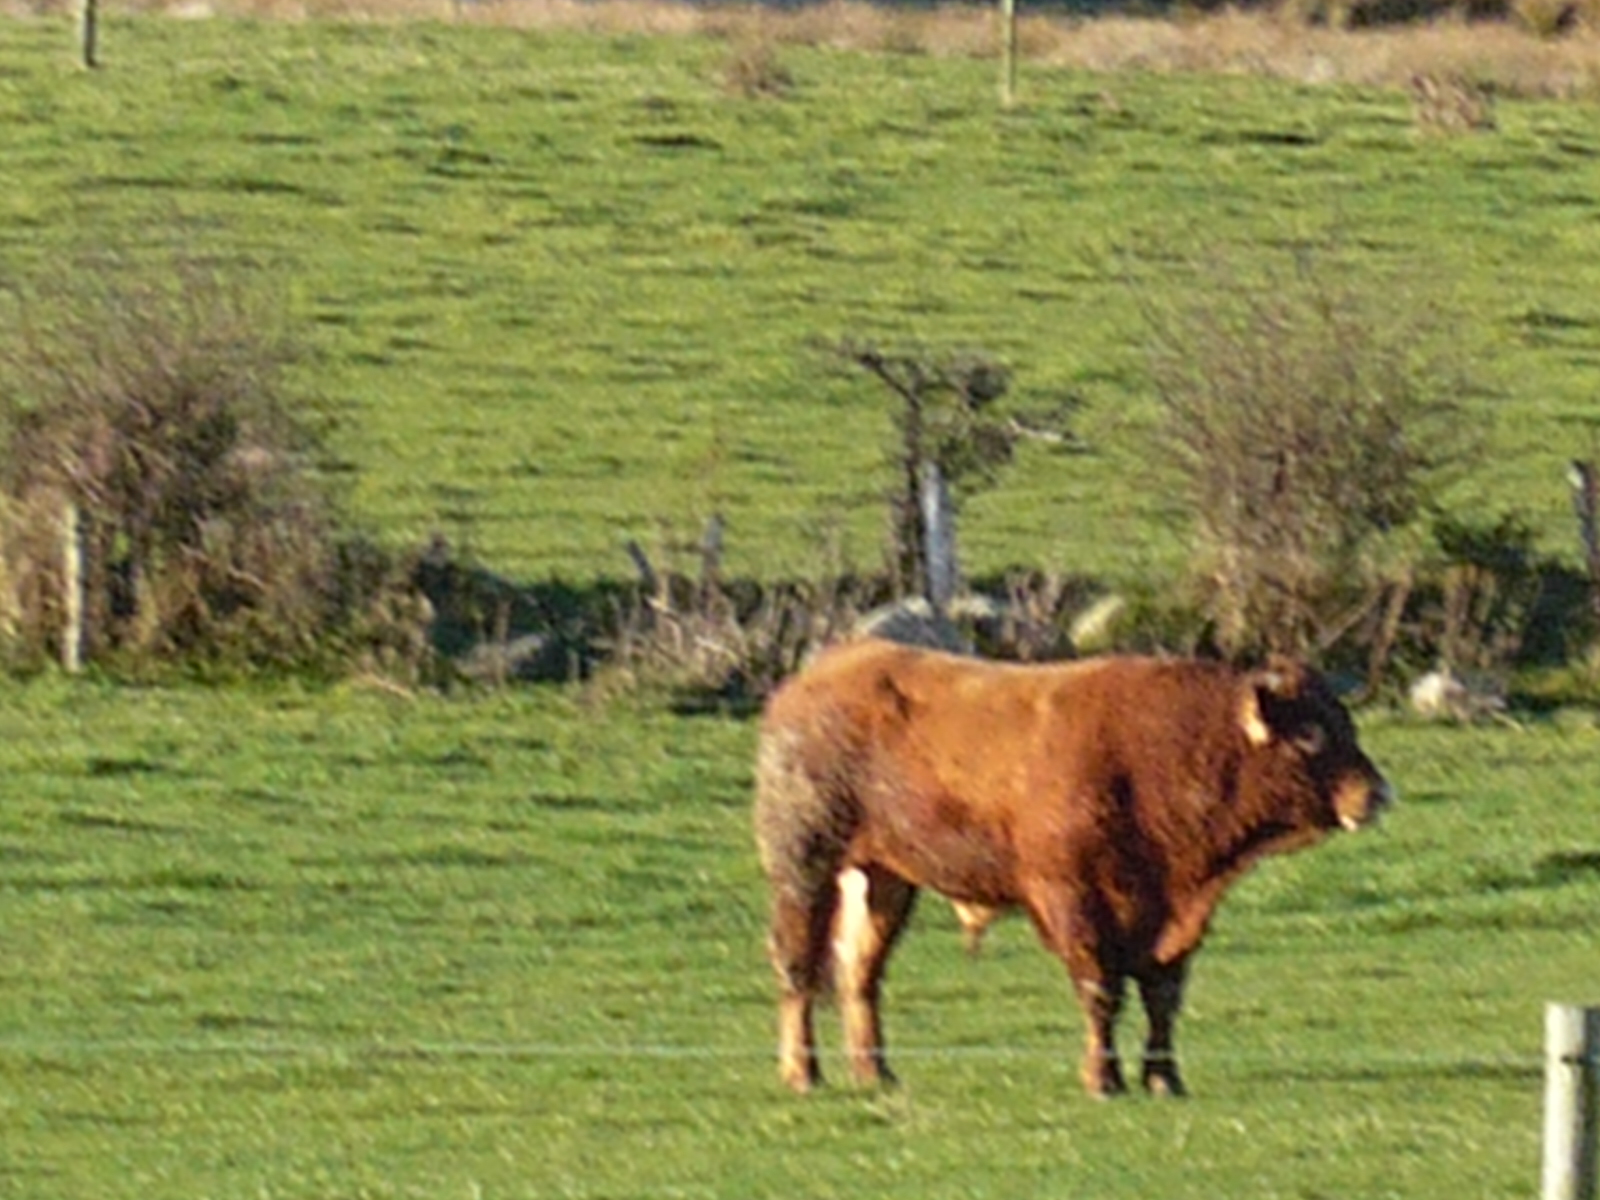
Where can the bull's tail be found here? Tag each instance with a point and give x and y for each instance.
(802, 830)
(802, 827)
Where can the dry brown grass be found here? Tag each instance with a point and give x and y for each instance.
(1451, 105)
(1514, 61)
(1547, 49)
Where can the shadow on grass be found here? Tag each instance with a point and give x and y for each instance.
(110, 768)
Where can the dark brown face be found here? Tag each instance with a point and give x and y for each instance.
(1293, 714)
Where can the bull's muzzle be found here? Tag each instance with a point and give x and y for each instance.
(1360, 801)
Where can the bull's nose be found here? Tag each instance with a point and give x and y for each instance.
(1379, 796)
(1384, 796)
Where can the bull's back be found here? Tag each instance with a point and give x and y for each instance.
(934, 763)
(874, 682)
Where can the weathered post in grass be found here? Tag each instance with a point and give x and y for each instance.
(1008, 52)
(71, 589)
(941, 574)
(711, 562)
(89, 32)
(1571, 1081)
(1585, 479)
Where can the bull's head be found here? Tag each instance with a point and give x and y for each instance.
(1289, 713)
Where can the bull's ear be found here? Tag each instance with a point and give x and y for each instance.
(1278, 681)
(1251, 717)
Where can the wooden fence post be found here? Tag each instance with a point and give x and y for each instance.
(711, 563)
(71, 589)
(89, 33)
(1571, 1076)
(1585, 480)
(1008, 52)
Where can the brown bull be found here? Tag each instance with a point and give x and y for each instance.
(1113, 800)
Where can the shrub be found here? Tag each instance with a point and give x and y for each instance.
(155, 405)
(1489, 582)
(1308, 428)
(754, 70)
(715, 642)
(1554, 18)
(1451, 104)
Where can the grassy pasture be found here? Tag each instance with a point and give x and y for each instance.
(565, 288)
(317, 944)
(305, 944)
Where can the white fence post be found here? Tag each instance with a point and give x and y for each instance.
(1571, 1076)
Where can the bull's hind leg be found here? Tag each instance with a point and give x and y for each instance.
(874, 906)
(800, 954)
(801, 832)
(1161, 989)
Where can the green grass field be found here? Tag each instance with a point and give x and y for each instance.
(302, 944)
(566, 288)
(299, 943)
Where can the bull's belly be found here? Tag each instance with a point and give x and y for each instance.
(961, 866)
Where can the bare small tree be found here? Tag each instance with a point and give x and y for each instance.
(1309, 426)
(950, 431)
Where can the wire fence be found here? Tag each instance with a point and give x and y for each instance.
(400, 1049)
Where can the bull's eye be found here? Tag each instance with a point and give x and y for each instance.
(1311, 741)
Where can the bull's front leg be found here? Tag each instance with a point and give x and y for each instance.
(1101, 998)
(1068, 930)
(1161, 989)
